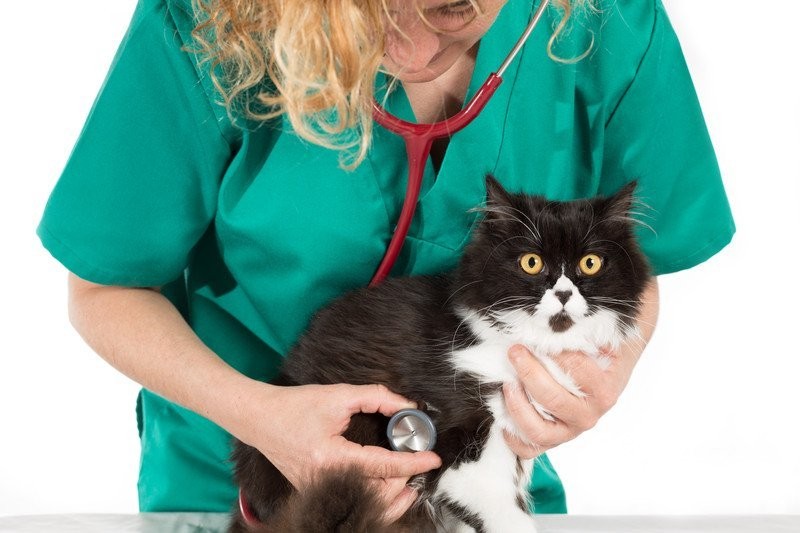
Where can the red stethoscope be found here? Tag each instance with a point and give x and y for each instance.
(419, 139)
(411, 429)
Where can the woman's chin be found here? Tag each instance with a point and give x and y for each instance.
(422, 76)
(438, 65)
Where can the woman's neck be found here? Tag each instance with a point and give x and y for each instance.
(443, 97)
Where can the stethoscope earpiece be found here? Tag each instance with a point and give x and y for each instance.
(411, 430)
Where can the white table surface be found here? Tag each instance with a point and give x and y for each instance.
(215, 523)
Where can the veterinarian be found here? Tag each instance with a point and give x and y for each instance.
(200, 245)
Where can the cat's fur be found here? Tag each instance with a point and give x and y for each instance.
(443, 341)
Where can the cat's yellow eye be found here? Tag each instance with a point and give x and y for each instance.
(590, 264)
(531, 263)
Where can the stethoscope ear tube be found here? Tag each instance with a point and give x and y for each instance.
(411, 430)
(419, 138)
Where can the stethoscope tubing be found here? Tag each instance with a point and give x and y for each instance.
(419, 139)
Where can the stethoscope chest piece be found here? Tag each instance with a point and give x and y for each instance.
(411, 430)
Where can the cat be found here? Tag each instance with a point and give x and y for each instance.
(552, 276)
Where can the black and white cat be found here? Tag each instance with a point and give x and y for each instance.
(552, 276)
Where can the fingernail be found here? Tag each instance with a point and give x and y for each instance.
(408, 404)
(516, 353)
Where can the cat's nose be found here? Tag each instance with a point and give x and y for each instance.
(563, 296)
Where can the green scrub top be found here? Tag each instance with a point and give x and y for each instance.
(250, 231)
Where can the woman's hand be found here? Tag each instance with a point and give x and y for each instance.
(573, 415)
(143, 335)
(301, 434)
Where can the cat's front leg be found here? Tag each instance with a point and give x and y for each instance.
(487, 495)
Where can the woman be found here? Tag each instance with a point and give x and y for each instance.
(200, 241)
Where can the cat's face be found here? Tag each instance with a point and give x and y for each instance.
(538, 268)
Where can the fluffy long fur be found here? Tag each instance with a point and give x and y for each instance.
(337, 502)
(442, 341)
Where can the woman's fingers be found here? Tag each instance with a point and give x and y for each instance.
(398, 496)
(544, 389)
(602, 386)
(376, 399)
(521, 448)
(535, 429)
(571, 387)
(377, 462)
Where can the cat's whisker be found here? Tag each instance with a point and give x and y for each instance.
(512, 327)
(633, 220)
(591, 225)
(489, 256)
(642, 207)
(464, 286)
(533, 237)
(543, 211)
(502, 319)
(486, 311)
(635, 215)
(533, 228)
(633, 318)
(504, 210)
(599, 300)
(607, 304)
(458, 328)
(612, 299)
(501, 302)
(634, 337)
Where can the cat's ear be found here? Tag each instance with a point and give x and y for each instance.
(619, 205)
(496, 195)
(497, 212)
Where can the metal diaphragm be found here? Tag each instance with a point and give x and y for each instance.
(411, 430)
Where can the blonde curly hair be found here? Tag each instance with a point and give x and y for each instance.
(313, 60)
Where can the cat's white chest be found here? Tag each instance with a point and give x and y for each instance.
(487, 358)
(502, 502)
(488, 361)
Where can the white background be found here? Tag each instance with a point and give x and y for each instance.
(708, 423)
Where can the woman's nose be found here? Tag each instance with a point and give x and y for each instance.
(412, 45)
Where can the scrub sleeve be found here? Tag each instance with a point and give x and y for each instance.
(140, 187)
(250, 231)
(657, 135)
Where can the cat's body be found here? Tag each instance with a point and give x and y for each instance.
(443, 341)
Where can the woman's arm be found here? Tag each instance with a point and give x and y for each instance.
(141, 334)
(573, 415)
